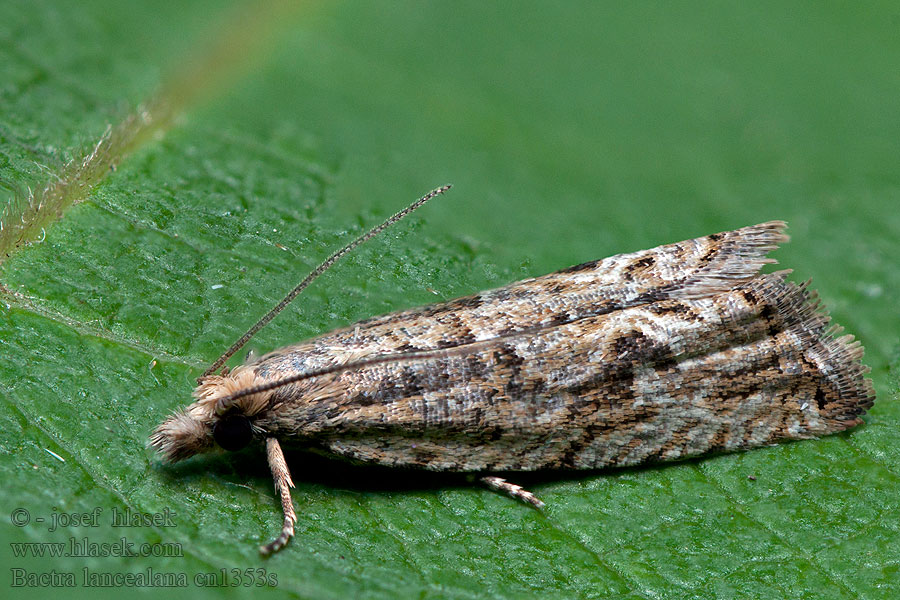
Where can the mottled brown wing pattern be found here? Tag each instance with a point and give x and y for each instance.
(661, 380)
(692, 268)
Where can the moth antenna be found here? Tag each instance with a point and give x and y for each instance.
(315, 274)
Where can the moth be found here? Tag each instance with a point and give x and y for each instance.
(663, 354)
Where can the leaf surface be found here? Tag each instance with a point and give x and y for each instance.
(569, 133)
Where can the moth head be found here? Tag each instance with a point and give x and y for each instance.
(213, 420)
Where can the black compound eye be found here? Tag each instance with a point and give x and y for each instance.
(233, 432)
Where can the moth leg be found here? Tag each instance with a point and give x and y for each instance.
(516, 491)
(283, 485)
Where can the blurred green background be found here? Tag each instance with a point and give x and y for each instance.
(570, 131)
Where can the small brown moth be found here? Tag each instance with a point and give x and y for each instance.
(656, 355)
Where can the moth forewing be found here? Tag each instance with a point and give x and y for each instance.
(655, 355)
(669, 379)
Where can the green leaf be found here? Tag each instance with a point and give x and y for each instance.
(570, 133)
